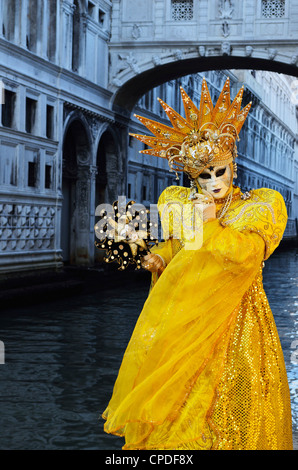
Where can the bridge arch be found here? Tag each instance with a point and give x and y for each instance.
(130, 87)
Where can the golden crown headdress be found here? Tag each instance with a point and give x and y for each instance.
(206, 136)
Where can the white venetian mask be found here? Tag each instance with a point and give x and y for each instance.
(216, 180)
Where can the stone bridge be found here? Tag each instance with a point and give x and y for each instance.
(156, 41)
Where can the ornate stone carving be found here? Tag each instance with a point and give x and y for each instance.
(178, 54)
(272, 53)
(83, 218)
(226, 9)
(86, 173)
(225, 29)
(226, 48)
(26, 227)
(68, 6)
(128, 61)
(136, 31)
(116, 82)
(202, 51)
(93, 172)
(95, 125)
(248, 51)
(83, 154)
(156, 60)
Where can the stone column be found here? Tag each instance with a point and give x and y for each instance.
(44, 31)
(93, 174)
(159, 19)
(83, 52)
(23, 21)
(66, 31)
(57, 39)
(116, 20)
(84, 226)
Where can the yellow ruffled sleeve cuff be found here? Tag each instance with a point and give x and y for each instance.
(164, 250)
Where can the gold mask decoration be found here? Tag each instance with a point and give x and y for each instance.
(205, 137)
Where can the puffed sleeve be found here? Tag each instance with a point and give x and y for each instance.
(170, 208)
(264, 214)
(232, 249)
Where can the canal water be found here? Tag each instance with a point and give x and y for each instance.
(62, 357)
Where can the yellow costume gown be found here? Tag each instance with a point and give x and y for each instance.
(204, 368)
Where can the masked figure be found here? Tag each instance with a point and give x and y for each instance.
(204, 368)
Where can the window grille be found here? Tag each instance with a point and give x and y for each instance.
(182, 10)
(273, 8)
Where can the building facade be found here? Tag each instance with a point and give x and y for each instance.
(157, 41)
(64, 148)
(59, 140)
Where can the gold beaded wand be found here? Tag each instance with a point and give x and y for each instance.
(126, 236)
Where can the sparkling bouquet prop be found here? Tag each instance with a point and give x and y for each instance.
(125, 233)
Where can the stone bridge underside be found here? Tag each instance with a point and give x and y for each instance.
(126, 96)
(153, 42)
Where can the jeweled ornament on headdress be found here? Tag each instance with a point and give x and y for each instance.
(206, 136)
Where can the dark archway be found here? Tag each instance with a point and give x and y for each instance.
(76, 151)
(129, 94)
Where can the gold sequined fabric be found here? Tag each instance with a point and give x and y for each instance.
(251, 403)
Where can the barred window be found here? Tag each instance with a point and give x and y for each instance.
(273, 8)
(182, 10)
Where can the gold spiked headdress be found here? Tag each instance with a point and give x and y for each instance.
(206, 136)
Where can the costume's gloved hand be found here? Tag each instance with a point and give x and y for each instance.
(209, 208)
(153, 263)
(209, 212)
